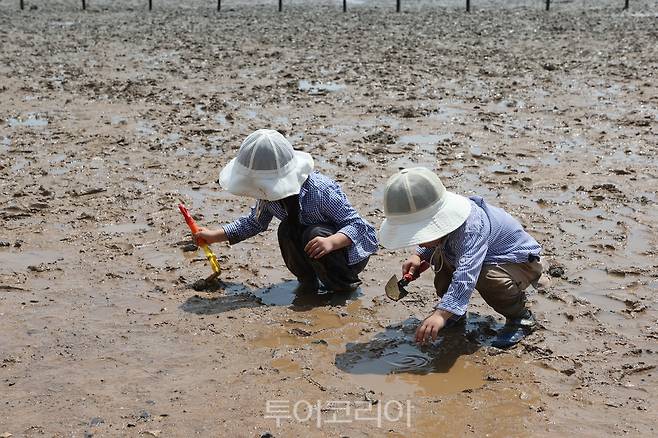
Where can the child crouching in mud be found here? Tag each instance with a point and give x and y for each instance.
(321, 236)
(470, 244)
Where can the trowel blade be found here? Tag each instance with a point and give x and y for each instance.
(393, 289)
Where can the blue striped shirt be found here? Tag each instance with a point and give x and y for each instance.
(489, 236)
(321, 201)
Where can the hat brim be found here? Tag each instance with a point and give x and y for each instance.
(267, 187)
(396, 234)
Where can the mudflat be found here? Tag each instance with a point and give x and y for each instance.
(109, 116)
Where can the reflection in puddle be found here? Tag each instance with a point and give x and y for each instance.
(325, 164)
(508, 105)
(424, 139)
(221, 119)
(171, 139)
(314, 308)
(32, 121)
(475, 150)
(57, 158)
(194, 148)
(20, 164)
(128, 228)
(639, 242)
(118, 120)
(61, 23)
(281, 120)
(16, 261)
(572, 144)
(144, 128)
(447, 112)
(505, 169)
(318, 87)
(196, 197)
(283, 294)
(62, 164)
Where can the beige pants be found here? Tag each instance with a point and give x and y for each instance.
(501, 286)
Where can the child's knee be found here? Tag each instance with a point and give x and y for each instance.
(283, 230)
(313, 231)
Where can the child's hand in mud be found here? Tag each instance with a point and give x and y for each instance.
(209, 236)
(411, 265)
(430, 327)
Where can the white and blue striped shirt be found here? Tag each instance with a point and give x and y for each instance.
(489, 236)
(321, 201)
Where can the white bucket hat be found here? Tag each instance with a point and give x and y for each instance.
(267, 167)
(419, 209)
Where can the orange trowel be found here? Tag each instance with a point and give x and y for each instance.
(395, 289)
(212, 258)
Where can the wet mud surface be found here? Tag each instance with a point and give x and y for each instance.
(109, 117)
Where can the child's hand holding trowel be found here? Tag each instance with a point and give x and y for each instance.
(411, 270)
(412, 266)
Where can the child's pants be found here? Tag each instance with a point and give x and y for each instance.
(501, 286)
(332, 269)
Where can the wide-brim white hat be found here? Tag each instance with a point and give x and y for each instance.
(419, 209)
(266, 167)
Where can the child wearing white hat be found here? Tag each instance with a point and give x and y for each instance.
(321, 236)
(471, 244)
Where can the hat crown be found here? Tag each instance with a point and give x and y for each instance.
(411, 191)
(265, 150)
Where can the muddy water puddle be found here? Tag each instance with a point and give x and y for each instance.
(615, 296)
(33, 120)
(316, 326)
(403, 369)
(447, 113)
(285, 294)
(19, 261)
(286, 365)
(425, 147)
(319, 88)
(390, 364)
(127, 228)
(4, 144)
(197, 196)
(145, 128)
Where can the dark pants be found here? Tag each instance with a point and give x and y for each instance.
(332, 269)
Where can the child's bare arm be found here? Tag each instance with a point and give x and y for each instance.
(321, 246)
(211, 236)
